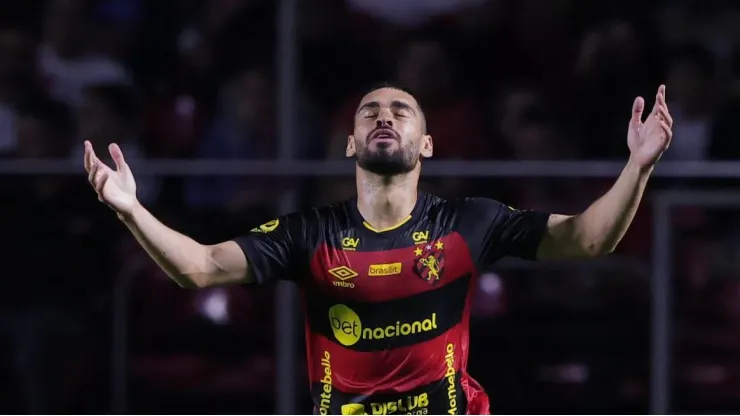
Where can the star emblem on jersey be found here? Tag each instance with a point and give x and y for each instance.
(430, 261)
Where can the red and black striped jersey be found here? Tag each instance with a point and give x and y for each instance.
(387, 311)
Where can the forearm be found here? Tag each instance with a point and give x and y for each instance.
(601, 227)
(597, 230)
(184, 260)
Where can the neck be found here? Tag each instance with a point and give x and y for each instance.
(385, 201)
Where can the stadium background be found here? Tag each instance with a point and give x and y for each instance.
(89, 324)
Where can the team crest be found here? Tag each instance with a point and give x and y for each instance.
(430, 262)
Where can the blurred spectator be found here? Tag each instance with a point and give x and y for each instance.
(328, 45)
(534, 43)
(713, 25)
(245, 128)
(45, 307)
(413, 12)
(725, 145)
(44, 130)
(692, 101)
(615, 63)
(538, 138)
(427, 69)
(68, 58)
(119, 24)
(510, 110)
(174, 124)
(17, 82)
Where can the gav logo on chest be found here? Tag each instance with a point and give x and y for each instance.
(350, 243)
(429, 261)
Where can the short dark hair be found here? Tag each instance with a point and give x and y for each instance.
(385, 84)
(118, 98)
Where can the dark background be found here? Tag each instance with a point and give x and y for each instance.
(540, 80)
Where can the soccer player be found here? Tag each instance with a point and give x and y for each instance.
(387, 276)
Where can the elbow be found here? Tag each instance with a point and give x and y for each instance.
(190, 281)
(202, 274)
(592, 243)
(597, 252)
(598, 249)
(187, 284)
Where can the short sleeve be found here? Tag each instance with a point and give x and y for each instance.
(276, 249)
(494, 230)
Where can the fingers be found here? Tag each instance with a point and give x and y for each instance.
(660, 99)
(660, 109)
(91, 159)
(664, 115)
(96, 172)
(100, 181)
(656, 104)
(92, 163)
(117, 155)
(667, 131)
(89, 156)
(637, 108)
(91, 174)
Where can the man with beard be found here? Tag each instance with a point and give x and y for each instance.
(387, 276)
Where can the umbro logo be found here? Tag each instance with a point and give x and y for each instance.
(342, 274)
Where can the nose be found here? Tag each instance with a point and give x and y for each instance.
(384, 121)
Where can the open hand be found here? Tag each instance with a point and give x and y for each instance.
(649, 139)
(116, 188)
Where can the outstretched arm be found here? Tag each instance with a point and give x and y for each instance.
(599, 229)
(186, 261)
(189, 263)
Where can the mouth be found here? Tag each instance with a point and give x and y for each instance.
(384, 134)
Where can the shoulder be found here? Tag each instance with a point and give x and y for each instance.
(331, 215)
(459, 209)
(310, 223)
(472, 217)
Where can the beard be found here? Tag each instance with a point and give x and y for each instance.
(386, 162)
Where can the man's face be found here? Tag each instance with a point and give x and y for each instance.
(389, 137)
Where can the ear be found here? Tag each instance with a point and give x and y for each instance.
(350, 150)
(427, 146)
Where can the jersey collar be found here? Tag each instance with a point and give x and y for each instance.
(397, 229)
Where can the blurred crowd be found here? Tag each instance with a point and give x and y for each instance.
(498, 79)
